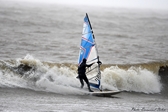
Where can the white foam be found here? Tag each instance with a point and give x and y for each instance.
(59, 80)
(9, 79)
(63, 80)
(133, 79)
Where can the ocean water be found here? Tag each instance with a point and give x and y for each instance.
(132, 45)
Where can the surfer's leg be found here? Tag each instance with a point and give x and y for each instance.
(89, 88)
(86, 80)
(82, 84)
(81, 81)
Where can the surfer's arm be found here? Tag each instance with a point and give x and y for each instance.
(85, 65)
(89, 65)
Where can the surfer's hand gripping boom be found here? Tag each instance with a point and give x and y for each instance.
(99, 62)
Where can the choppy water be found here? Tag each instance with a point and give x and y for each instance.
(132, 45)
(123, 36)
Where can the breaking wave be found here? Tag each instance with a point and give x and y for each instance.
(61, 77)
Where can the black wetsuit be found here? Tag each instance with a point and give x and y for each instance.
(82, 75)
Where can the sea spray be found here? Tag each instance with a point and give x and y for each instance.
(58, 80)
(61, 78)
(133, 79)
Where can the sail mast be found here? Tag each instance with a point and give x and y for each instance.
(90, 24)
(99, 72)
(93, 35)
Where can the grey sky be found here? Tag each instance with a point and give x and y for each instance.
(149, 4)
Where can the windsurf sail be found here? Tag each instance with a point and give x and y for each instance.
(88, 50)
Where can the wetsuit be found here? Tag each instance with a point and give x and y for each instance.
(82, 75)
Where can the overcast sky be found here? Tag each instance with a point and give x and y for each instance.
(149, 4)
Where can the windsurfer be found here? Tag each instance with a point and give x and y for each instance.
(82, 75)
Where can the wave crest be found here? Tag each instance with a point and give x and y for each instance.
(61, 77)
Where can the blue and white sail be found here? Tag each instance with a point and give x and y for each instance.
(88, 50)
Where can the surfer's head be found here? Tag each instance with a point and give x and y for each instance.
(84, 60)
